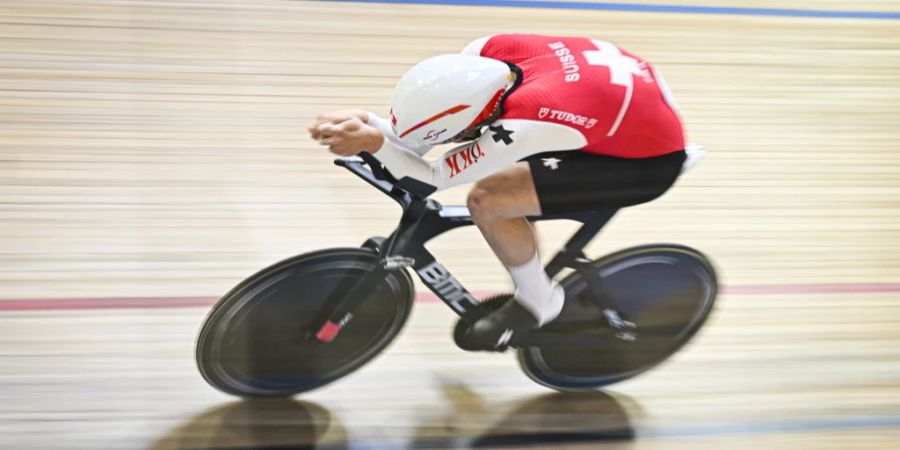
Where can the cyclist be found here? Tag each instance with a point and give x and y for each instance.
(550, 125)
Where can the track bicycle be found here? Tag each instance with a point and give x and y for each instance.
(311, 319)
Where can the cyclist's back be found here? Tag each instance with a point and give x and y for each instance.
(616, 100)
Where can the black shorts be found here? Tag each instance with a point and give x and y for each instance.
(577, 181)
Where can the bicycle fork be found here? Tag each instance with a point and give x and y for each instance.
(405, 249)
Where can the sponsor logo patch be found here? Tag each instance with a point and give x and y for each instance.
(463, 159)
(448, 287)
(552, 163)
(434, 135)
(567, 60)
(563, 116)
(501, 134)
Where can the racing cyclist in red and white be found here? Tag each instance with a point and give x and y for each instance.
(549, 125)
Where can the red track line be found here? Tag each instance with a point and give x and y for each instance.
(819, 288)
(58, 304)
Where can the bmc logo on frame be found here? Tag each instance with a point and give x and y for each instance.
(438, 277)
(463, 159)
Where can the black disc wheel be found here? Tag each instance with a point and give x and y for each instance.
(665, 291)
(256, 341)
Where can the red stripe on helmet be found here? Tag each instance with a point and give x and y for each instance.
(437, 116)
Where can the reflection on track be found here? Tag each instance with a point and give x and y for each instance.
(256, 424)
(546, 420)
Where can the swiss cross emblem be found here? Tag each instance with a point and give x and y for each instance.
(621, 70)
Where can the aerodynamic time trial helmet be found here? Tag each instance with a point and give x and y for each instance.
(443, 96)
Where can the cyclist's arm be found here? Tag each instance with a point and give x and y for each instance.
(478, 159)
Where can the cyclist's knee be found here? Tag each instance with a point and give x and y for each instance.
(480, 202)
(493, 198)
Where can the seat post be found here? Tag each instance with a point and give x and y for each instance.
(592, 224)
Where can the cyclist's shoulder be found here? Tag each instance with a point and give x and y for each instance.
(509, 47)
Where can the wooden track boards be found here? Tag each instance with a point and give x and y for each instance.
(157, 149)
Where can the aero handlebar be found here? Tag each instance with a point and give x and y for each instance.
(381, 179)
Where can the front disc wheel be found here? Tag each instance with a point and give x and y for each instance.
(256, 341)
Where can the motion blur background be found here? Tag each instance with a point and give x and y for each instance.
(153, 154)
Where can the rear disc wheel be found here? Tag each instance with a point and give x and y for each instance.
(667, 291)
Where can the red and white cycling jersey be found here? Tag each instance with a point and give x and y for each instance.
(609, 95)
(575, 94)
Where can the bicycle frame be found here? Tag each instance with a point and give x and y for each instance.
(424, 219)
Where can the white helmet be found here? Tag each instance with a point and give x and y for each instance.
(444, 95)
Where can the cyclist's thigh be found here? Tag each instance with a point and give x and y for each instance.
(574, 181)
(510, 192)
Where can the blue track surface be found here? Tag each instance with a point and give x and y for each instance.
(655, 8)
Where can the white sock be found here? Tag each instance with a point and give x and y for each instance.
(536, 291)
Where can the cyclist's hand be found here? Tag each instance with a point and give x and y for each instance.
(349, 137)
(335, 117)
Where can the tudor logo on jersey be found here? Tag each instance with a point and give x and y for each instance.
(564, 116)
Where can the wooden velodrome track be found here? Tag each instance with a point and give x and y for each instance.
(153, 154)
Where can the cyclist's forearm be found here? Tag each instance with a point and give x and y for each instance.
(499, 148)
(382, 125)
(361, 114)
(405, 163)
